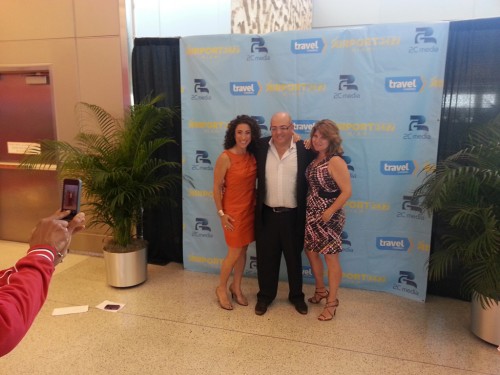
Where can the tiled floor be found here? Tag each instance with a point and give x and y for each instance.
(172, 325)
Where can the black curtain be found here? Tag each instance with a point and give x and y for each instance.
(471, 97)
(155, 71)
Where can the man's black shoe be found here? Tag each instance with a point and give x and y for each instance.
(300, 306)
(261, 308)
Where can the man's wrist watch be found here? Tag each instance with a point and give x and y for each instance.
(221, 213)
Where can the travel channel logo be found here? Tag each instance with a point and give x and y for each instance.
(201, 91)
(201, 228)
(307, 272)
(406, 283)
(304, 127)
(403, 84)
(397, 167)
(424, 41)
(258, 49)
(393, 243)
(202, 161)
(411, 208)
(417, 128)
(304, 46)
(347, 87)
(244, 88)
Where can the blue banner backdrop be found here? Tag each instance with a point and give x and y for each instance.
(381, 84)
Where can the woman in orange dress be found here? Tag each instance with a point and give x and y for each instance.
(234, 196)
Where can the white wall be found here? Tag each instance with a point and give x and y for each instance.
(331, 13)
(172, 18)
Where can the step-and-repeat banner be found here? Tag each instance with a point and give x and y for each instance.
(381, 84)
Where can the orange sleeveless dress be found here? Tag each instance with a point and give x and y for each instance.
(238, 198)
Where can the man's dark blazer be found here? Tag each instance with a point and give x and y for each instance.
(304, 157)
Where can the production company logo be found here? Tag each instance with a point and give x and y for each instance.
(346, 242)
(425, 42)
(258, 49)
(347, 88)
(261, 121)
(201, 91)
(202, 228)
(350, 167)
(417, 128)
(411, 208)
(406, 283)
(202, 161)
(252, 265)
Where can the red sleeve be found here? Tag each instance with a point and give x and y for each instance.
(23, 290)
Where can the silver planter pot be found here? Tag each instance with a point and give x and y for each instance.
(486, 322)
(126, 269)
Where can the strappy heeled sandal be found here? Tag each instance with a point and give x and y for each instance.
(327, 313)
(319, 294)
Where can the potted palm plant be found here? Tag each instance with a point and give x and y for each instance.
(464, 190)
(121, 175)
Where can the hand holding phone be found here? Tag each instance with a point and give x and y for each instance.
(71, 197)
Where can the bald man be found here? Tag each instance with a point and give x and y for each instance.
(280, 212)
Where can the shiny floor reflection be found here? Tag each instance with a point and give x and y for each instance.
(172, 325)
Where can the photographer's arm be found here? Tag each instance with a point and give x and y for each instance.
(24, 287)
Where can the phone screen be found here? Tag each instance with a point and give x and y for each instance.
(71, 197)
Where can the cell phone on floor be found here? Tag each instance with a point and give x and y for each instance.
(111, 307)
(71, 195)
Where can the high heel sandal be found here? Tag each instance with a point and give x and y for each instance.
(328, 309)
(242, 300)
(319, 294)
(225, 306)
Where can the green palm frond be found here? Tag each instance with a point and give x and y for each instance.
(464, 189)
(117, 162)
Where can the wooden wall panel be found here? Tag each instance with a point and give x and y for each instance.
(265, 16)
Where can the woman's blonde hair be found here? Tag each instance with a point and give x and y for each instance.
(329, 130)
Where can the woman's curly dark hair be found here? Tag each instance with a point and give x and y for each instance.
(229, 139)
